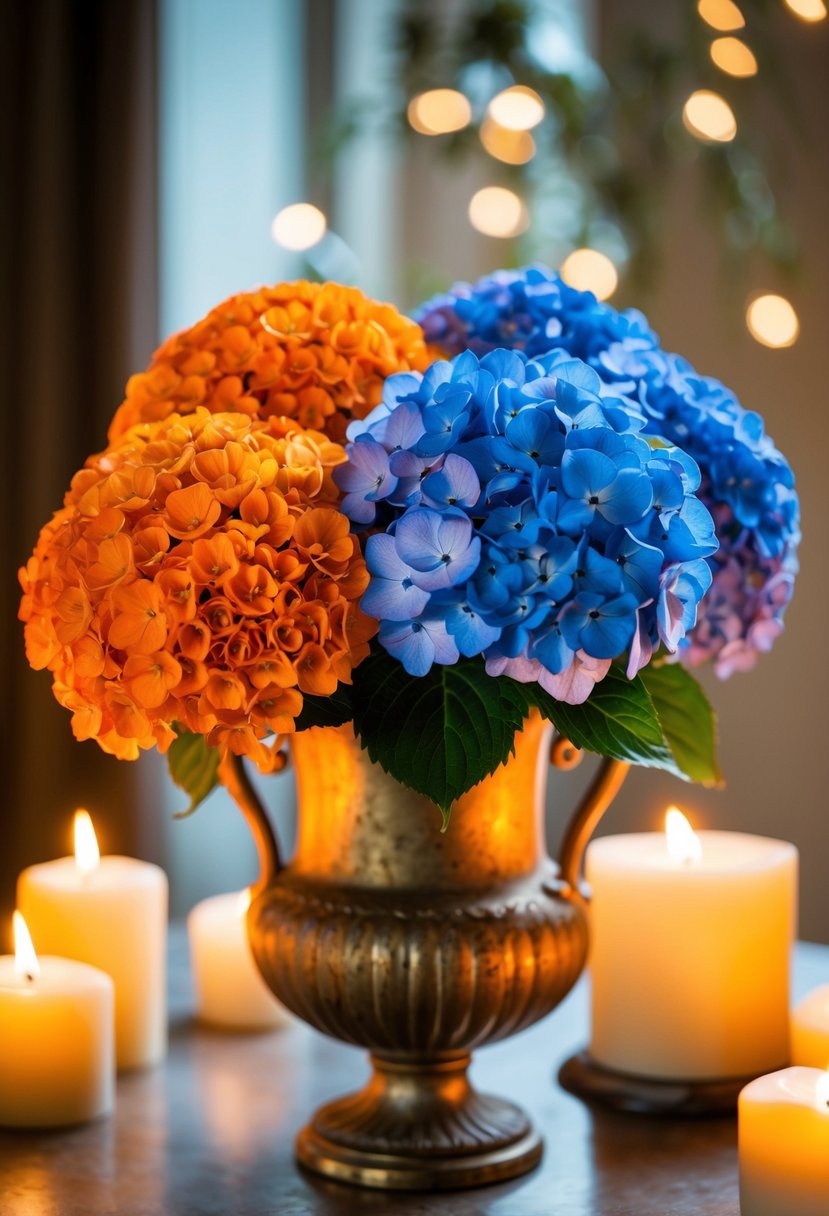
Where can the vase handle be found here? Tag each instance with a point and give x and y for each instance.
(604, 788)
(238, 784)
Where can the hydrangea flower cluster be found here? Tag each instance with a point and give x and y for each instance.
(314, 352)
(746, 482)
(532, 310)
(749, 487)
(198, 574)
(524, 518)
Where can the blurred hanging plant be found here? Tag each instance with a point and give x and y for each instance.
(597, 168)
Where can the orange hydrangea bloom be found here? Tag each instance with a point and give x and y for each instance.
(199, 573)
(314, 352)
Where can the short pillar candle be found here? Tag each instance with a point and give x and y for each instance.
(229, 988)
(57, 1045)
(110, 912)
(690, 955)
(810, 1030)
(783, 1133)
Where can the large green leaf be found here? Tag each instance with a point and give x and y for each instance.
(194, 766)
(326, 711)
(439, 734)
(687, 719)
(618, 720)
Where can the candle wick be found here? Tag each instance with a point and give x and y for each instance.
(29, 977)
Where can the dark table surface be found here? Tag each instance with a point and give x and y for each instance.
(210, 1132)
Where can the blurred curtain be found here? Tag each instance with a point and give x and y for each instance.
(78, 312)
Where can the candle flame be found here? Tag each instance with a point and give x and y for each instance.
(25, 959)
(822, 1091)
(87, 854)
(682, 841)
(243, 903)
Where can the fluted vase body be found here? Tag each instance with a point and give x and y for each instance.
(419, 945)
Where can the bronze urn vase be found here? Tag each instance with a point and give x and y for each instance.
(419, 945)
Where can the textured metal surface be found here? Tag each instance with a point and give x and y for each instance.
(452, 1137)
(419, 944)
(210, 1133)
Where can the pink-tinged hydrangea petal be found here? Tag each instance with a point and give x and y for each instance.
(575, 685)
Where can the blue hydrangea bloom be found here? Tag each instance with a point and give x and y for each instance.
(522, 514)
(532, 310)
(744, 481)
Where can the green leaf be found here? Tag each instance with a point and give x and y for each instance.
(688, 722)
(326, 711)
(194, 766)
(618, 720)
(441, 733)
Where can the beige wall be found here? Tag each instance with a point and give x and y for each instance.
(773, 720)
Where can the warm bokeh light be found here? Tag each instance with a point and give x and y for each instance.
(25, 959)
(682, 842)
(496, 211)
(721, 14)
(772, 321)
(87, 854)
(299, 226)
(734, 57)
(439, 111)
(589, 270)
(709, 117)
(807, 10)
(512, 147)
(518, 108)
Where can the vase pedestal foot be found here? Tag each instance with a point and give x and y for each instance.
(417, 1126)
(583, 1076)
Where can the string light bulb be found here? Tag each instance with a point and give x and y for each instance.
(807, 10)
(590, 270)
(496, 211)
(721, 14)
(709, 117)
(439, 111)
(511, 147)
(299, 226)
(518, 108)
(732, 56)
(772, 321)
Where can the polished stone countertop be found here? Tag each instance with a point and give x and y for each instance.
(210, 1132)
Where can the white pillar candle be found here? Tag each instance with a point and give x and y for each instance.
(57, 1043)
(810, 1030)
(229, 988)
(690, 953)
(783, 1122)
(110, 912)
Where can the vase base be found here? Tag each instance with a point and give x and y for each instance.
(583, 1076)
(419, 1126)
